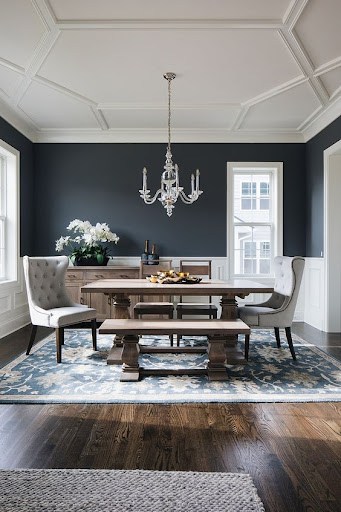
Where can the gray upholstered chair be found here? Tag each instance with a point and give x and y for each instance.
(49, 303)
(278, 311)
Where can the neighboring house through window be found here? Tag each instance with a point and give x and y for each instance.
(254, 217)
(9, 213)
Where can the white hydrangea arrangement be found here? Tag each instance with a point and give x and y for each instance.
(89, 240)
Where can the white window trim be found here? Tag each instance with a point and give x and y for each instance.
(278, 211)
(12, 241)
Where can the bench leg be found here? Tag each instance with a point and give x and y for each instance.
(216, 368)
(120, 309)
(130, 359)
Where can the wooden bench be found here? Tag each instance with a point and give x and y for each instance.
(217, 332)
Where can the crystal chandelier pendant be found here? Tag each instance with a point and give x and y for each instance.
(170, 189)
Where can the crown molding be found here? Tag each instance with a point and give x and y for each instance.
(157, 136)
(17, 122)
(318, 123)
(322, 120)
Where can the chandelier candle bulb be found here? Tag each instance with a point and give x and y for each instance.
(170, 189)
(192, 184)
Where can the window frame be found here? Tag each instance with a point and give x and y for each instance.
(276, 170)
(10, 213)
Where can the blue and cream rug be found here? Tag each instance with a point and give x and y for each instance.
(84, 377)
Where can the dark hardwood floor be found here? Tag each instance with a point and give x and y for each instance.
(292, 451)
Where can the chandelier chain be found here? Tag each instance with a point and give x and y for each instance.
(169, 113)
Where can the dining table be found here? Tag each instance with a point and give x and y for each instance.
(120, 292)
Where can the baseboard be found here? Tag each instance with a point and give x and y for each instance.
(14, 324)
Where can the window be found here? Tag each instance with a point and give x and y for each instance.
(264, 195)
(9, 212)
(254, 217)
(248, 198)
(249, 257)
(264, 258)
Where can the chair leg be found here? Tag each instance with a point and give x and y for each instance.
(247, 345)
(290, 343)
(278, 339)
(32, 338)
(94, 333)
(59, 343)
(170, 316)
(178, 336)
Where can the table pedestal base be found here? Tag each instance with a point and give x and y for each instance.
(215, 370)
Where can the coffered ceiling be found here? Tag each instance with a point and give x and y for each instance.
(247, 70)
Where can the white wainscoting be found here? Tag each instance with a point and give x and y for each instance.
(314, 293)
(13, 305)
(310, 306)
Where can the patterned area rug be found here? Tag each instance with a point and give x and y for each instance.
(84, 377)
(90, 490)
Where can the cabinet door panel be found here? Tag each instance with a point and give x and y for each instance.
(100, 302)
(78, 277)
(74, 292)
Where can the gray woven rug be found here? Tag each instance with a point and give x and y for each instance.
(83, 490)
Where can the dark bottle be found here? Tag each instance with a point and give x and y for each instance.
(145, 254)
(153, 256)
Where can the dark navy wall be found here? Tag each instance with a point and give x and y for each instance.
(100, 182)
(314, 170)
(25, 146)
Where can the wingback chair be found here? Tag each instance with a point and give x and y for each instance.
(49, 303)
(278, 311)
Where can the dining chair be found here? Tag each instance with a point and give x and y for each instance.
(158, 308)
(49, 303)
(199, 268)
(278, 311)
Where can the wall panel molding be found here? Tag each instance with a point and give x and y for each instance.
(314, 293)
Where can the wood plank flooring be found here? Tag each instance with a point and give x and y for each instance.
(292, 451)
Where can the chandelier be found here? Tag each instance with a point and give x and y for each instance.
(170, 189)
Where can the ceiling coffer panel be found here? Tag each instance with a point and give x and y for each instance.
(246, 70)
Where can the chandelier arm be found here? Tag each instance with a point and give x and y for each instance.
(186, 198)
(146, 196)
(190, 198)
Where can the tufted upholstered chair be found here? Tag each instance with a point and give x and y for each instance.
(49, 303)
(278, 311)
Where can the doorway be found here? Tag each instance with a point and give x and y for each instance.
(332, 237)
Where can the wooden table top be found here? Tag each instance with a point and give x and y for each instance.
(205, 287)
